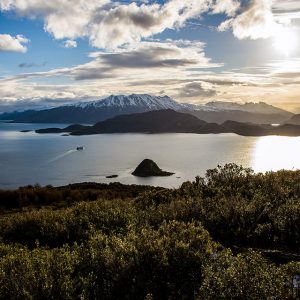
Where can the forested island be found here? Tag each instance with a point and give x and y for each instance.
(170, 121)
(232, 234)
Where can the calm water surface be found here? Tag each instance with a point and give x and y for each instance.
(29, 158)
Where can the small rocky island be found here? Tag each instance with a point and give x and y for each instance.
(112, 176)
(149, 168)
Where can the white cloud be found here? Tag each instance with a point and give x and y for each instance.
(286, 5)
(62, 18)
(286, 10)
(197, 90)
(228, 7)
(132, 22)
(110, 24)
(70, 44)
(135, 60)
(14, 44)
(254, 22)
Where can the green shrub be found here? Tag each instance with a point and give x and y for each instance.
(94, 241)
(245, 276)
(37, 274)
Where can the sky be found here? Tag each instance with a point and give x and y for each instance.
(195, 51)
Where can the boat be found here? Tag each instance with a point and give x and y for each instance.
(79, 148)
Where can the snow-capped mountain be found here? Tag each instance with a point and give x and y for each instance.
(135, 100)
(95, 111)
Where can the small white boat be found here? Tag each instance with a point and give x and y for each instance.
(80, 148)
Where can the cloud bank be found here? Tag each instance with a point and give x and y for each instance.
(109, 24)
(197, 90)
(105, 23)
(255, 21)
(136, 60)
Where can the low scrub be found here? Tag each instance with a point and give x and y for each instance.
(232, 234)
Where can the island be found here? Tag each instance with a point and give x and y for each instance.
(170, 121)
(68, 129)
(25, 130)
(148, 168)
(112, 176)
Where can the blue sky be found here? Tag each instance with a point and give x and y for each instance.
(195, 51)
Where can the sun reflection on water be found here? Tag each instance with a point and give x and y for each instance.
(273, 153)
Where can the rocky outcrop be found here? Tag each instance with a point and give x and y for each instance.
(149, 168)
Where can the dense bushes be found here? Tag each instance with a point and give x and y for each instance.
(75, 224)
(246, 209)
(37, 196)
(166, 263)
(247, 276)
(150, 243)
(37, 274)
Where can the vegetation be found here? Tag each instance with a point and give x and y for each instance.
(230, 235)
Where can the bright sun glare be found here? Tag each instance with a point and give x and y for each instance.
(285, 41)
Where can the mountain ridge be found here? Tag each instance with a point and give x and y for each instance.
(94, 111)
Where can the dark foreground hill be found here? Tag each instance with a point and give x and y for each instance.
(170, 121)
(160, 121)
(231, 235)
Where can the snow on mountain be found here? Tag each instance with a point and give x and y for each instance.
(145, 101)
(95, 111)
(149, 102)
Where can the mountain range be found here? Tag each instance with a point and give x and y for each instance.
(170, 121)
(114, 105)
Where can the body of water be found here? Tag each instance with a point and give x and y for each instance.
(29, 158)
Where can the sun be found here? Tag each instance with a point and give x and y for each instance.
(285, 41)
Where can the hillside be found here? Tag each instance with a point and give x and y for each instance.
(221, 116)
(160, 121)
(250, 107)
(170, 121)
(230, 235)
(294, 120)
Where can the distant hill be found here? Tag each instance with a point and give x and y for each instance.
(241, 116)
(17, 114)
(295, 119)
(250, 107)
(170, 121)
(96, 111)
